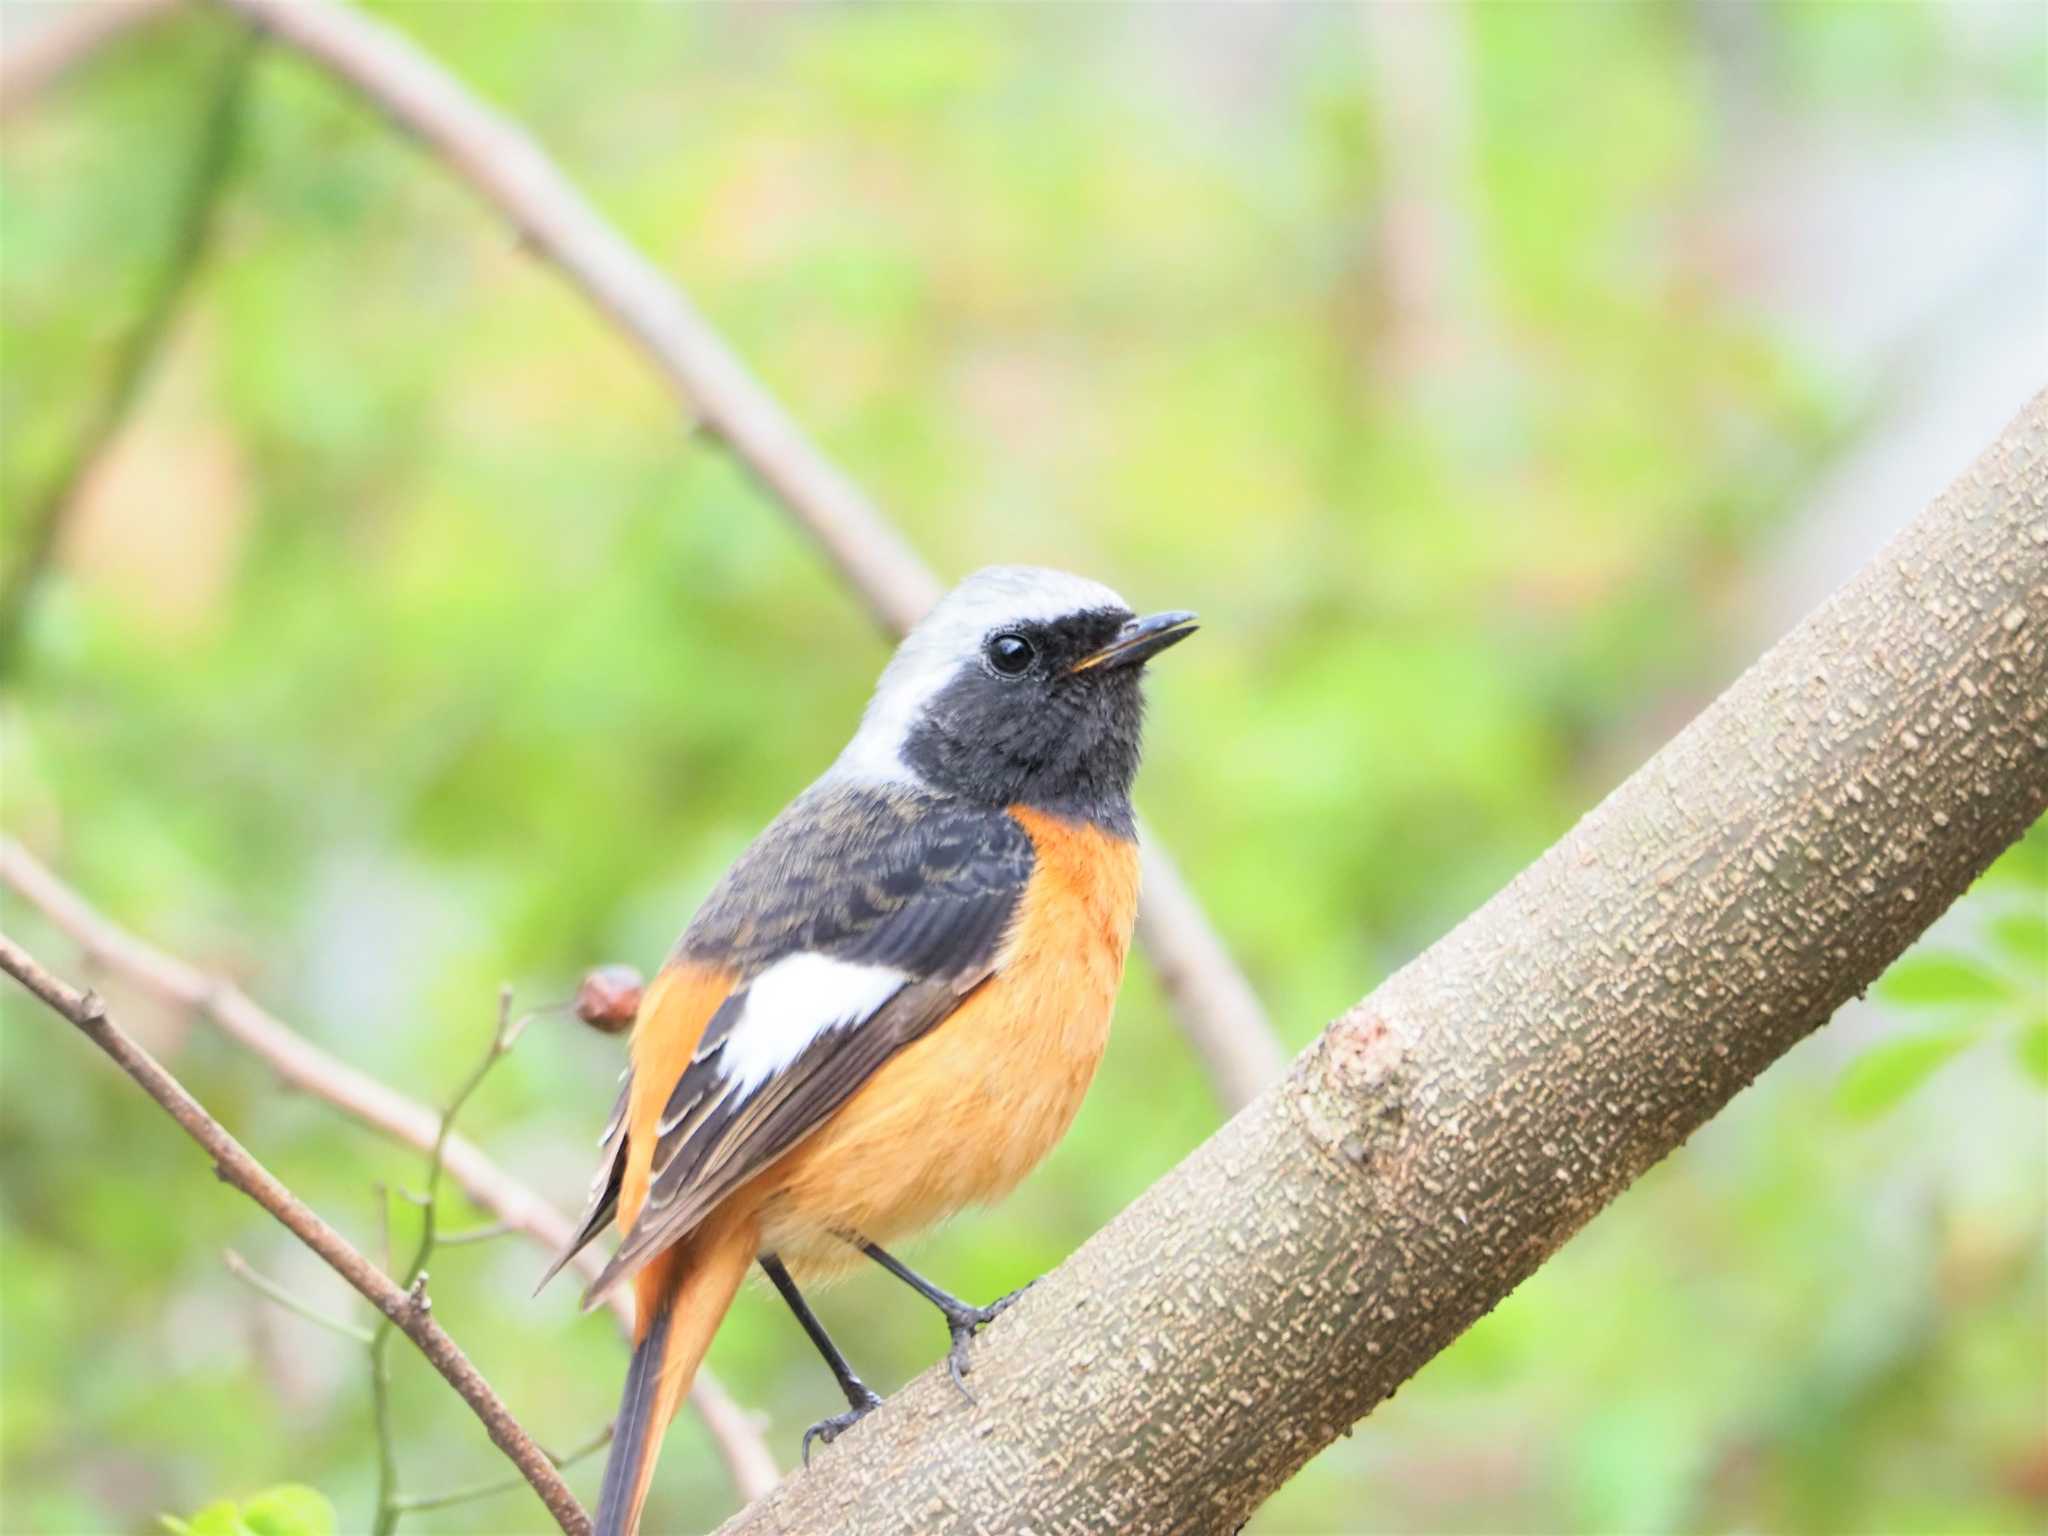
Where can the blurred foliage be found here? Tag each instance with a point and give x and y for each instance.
(1999, 993)
(290, 1509)
(408, 641)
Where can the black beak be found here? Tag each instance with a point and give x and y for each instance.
(1139, 641)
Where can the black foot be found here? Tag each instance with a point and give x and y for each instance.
(831, 1429)
(963, 1322)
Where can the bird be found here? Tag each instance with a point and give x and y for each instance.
(891, 1005)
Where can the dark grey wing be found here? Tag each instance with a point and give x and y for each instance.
(892, 934)
(865, 872)
(604, 1189)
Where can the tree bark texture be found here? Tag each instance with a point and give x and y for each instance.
(1450, 1131)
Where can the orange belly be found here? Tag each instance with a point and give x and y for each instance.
(962, 1115)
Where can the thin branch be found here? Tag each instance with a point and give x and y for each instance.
(233, 1164)
(482, 1234)
(263, 1285)
(390, 1504)
(303, 1065)
(192, 235)
(504, 166)
(386, 1519)
(502, 1038)
(66, 40)
(1217, 1009)
(475, 1491)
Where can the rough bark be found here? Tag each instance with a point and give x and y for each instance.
(1451, 1130)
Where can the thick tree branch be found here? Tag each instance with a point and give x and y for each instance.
(408, 1310)
(303, 1065)
(1217, 1008)
(1449, 1132)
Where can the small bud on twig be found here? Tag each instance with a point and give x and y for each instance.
(609, 998)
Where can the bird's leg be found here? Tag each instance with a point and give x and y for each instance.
(860, 1400)
(962, 1320)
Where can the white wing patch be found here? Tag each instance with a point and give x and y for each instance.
(796, 1000)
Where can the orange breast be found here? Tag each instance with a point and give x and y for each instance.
(962, 1115)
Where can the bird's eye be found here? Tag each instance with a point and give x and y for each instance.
(1010, 654)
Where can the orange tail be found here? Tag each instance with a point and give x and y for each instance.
(683, 1296)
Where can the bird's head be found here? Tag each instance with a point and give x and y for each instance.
(1020, 688)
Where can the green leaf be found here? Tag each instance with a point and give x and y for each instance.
(220, 1518)
(1936, 980)
(289, 1509)
(2032, 1048)
(1885, 1074)
(2024, 936)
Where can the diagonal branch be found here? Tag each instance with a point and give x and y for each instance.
(509, 171)
(191, 236)
(303, 1065)
(66, 40)
(1216, 1006)
(1454, 1128)
(408, 1310)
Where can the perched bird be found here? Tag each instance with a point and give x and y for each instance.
(891, 1005)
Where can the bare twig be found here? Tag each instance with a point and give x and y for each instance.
(390, 1504)
(502, 1038)
(303, 1065)
(474, 1491)
(193, 232)
(504, 166)
(482, 1234)
(263, 1285)
(386, 1519)
(233, 1164)
(55, 47)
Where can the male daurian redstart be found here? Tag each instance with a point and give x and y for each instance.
(892, 1004)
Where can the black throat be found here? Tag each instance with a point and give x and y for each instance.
(1054, 740)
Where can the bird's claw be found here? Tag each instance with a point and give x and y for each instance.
(957, 1362)
(963, 1325)
(1002, 1303)
(831, 1429)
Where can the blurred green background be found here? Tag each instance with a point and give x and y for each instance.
(1496, 383)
